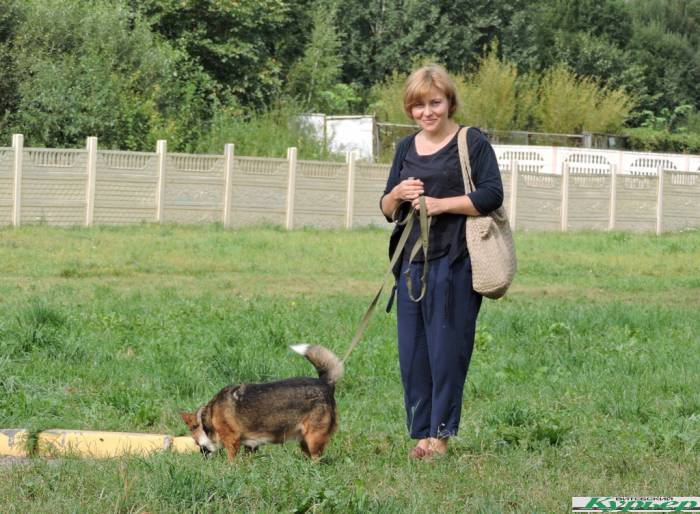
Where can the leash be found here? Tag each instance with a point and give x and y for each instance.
(424, 221)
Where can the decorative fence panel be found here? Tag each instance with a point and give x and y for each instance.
(6, 184)
(681, 200)
(321, 194)
(539, 201)
(589, 201)
(545, 188)
(53, 186)
(126, 187)
(194, 188)
(529, 158)
(370, 182)
(636, 203)
(586, 160)
(259, 191)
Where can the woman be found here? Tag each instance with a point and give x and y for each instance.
(436, 334)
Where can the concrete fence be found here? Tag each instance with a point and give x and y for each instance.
(546, 188)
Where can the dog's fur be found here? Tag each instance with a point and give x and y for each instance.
(297, 409)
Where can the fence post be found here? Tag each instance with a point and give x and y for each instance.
(613, 196)
(291, 186)
(228, 184)
(91, 177)
(513, 191)
(350, 207)
(161, 151)
(565, 198)
(660, 201)
(18, 146)
(620, 161)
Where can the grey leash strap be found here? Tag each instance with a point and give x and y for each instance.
(408, 225)
(421, 243)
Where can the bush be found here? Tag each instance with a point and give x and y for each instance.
(569, 104)
(386, 99)
(489, 96)
(495, 97)
(94, 68)
(267, 133)
(652, 140)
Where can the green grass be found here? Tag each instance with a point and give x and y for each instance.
(583, 382)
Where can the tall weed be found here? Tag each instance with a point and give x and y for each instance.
(495, 97)
(570, 105)
(267, 133)
(489, 95)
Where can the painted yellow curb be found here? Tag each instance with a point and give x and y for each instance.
(184, 444)
(13, 442)
(99, 445)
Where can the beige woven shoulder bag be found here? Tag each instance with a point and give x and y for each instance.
(489, 239)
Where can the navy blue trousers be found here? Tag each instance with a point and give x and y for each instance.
(436, 339)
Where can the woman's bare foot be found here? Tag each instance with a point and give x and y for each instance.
(422, 450)
(438, 446)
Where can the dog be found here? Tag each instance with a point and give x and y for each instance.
(296, 409)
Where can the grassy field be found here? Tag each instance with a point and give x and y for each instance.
(583, 382)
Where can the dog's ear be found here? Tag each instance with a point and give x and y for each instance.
(189, 418)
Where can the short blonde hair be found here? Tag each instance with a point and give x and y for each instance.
(421, 81)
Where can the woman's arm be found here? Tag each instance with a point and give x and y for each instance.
(397, 191)
(453, 204)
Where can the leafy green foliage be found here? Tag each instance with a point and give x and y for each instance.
(314, 80)
(268, 133)
(10, 14)
(569, 104)
(99, 71)
(654, 140)
(489, 96)
(380, 38)
(671, 65)
(132, 72)
(495, 97)
(234, 42)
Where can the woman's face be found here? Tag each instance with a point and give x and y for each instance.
(431, 112)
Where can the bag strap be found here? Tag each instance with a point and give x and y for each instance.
(463, 148)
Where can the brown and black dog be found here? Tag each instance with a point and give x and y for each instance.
(296, 409)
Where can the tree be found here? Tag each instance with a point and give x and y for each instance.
(490, 95)
(10, 15)
(666, 46)
(548, 32)
(238, 43)
(89, 67)
(314, 80)
(670, 64)
(380, 37)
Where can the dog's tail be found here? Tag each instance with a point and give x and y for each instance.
(330, 368)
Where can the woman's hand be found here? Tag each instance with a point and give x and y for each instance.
(433, 206)
(408, 190)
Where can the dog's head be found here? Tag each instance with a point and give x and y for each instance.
(193, 420)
